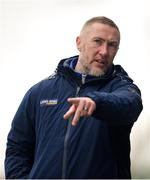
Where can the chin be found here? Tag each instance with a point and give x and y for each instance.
(97, 72)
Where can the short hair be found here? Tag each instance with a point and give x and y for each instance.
(102, 20)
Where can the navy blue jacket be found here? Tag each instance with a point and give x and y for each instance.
(41, 144)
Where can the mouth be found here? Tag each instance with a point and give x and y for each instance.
(100, 62)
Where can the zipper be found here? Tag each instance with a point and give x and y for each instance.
(64, 164)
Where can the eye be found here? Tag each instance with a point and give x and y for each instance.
(98, 41)
(114, 45)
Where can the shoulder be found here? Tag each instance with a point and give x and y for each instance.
(42, 85)
(123, 80)
(120, 72)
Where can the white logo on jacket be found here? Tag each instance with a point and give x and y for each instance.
(48, 102)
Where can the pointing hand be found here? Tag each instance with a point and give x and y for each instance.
(81, 106)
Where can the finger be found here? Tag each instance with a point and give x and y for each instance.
(70, 112)
(91, 109)
(76, 118)
(78, 113)
(86, 108)
(84, 111)
(74, 100)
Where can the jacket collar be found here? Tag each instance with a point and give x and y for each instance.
(66, 67)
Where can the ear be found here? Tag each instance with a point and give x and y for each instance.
(78, 43)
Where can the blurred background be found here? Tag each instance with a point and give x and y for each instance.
(36, 34)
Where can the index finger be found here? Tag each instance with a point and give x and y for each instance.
(74, 100)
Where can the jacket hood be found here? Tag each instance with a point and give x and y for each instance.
(116, 70)
(119, 71)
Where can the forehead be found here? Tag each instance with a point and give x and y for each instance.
(102, 31)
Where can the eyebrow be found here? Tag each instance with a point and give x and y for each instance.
(110, 41)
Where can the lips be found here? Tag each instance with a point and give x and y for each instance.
(100, 62)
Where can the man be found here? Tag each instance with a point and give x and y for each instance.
(77, 123)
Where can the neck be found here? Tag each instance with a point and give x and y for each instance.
(79, 68)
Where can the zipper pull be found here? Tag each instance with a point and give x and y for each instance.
(83, 78)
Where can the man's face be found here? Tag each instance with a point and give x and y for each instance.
(98, 45)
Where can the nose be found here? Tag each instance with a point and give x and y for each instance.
(103, 49)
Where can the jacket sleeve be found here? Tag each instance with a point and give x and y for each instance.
(121, 106)
(21, 141)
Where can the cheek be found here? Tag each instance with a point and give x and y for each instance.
(88, 53)
(113, 54)
(111, 57)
